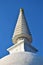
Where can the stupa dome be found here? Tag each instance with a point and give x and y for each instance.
(22, 58)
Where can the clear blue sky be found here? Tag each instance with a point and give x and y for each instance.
(9, 10)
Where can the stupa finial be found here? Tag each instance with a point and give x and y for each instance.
(21, 10)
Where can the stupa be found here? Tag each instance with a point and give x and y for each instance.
(22, 52)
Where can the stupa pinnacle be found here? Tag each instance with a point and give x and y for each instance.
(22, 53)
(22, 36)
(21, 29)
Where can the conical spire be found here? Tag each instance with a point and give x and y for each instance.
(21, 29)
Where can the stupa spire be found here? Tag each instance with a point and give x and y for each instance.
(22, 36)
(21, 29)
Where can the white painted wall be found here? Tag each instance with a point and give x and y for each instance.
(18, 47)
(22, 58)
(21, 46)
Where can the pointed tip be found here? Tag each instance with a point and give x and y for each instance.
(21, 10)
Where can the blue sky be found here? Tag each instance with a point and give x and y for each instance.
(9, 10)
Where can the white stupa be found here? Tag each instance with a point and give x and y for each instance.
(22, 52)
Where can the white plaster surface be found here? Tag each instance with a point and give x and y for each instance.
(22, 46)
(18, 47)
(22, 58)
